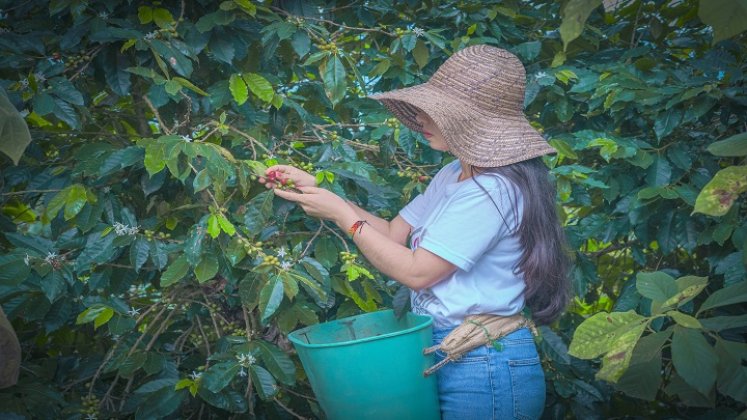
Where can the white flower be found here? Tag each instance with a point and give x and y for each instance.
(91, 416)
(24, 83)
(106, 189)
(242, 372)
(286, 265)
(188, 139)
(195, 375)
(281, 252)
(40, 77)
(52, 256)
(172, 61)
(27, 259)
(133, 230)
(116, 337)
(103, 15)
(151, 35)
(418, 32)
(540, 75)
(120, 229)
(133, 312)
(246, 359)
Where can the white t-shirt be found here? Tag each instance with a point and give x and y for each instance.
(458, 222)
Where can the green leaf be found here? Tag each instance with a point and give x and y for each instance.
(616, 361)
(189, 85)
(730, 295)
(259, 86)
(162, 17)
(172, 87)
(597, 335)
(642, 380)
(238, 89)
(735, 145)
(276, 361)
(202, 180)
(666, 122)
(563, 148)
(732, 374)
(333, 74)
(259, 210)
(235, 251)
(213, 227)
(685, 295)
(264, 382)
(247, 7)
(139, 252)
(132, 363)
(207, 268)
(719, 194)
(175, 272)
(270, 297)
(225, 225)
(718, 323)
(160, 404)
(659, 173)
(53, 285)
(656, 286)
(574, 16)
(694, 359)
(145, 14)
(103, 317)
(14, 133)
(684, 320)
(220, 375)
(420, 53)
(727, 17)
(75, 200)
(228, 400)
(249, 290)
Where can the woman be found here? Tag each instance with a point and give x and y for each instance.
(484, 236)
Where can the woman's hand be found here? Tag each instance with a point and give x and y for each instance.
(281, 174)
(318, 202)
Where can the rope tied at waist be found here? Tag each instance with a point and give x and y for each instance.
(474, 331)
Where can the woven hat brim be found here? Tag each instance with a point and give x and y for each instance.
(474, 136)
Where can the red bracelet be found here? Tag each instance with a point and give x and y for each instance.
(357, 227)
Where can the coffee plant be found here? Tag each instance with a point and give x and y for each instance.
(149, 273)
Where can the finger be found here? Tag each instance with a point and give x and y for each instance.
(291, 196)
(277, 168)
(310, 190)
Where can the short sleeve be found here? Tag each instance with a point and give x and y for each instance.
(469, 224)
(414, 211)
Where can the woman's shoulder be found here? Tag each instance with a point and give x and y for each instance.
(496, 185)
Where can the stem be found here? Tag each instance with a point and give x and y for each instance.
(291, 412)
(153, 109)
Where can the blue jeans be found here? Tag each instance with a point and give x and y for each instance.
(490, 384)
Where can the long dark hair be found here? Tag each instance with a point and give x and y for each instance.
(544, 259)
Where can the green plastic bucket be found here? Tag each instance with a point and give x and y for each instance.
(370, 366)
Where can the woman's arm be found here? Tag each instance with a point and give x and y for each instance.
(397, 230)
(416, 270)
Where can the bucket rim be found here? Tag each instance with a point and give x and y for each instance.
(428, 321)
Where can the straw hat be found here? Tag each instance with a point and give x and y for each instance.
(476, 98)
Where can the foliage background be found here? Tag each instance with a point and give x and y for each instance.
(149, 275)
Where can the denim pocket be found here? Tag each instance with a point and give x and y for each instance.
(527, 387)
(474, 356)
